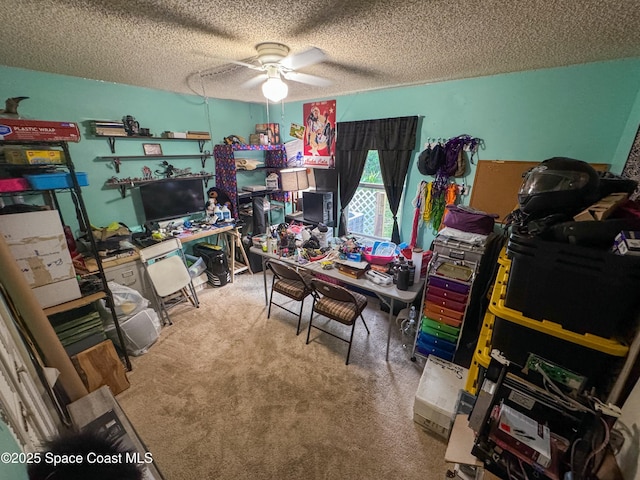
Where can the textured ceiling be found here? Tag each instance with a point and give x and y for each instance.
(185, 46)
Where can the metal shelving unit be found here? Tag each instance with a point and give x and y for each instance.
(49, 196)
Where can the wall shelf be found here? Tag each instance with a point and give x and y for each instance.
(112, 140)
(123, 184)
(117, 159)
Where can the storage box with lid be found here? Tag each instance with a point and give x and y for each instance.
(586, 290)
(435, 406)
(38, 244)
(49, 181)
(33, 157)
(458, 249)
(597, 358)
(139, 331)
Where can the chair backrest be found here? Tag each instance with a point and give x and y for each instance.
(335, 292)
(282, 270)
(164, 263)
(160, 249)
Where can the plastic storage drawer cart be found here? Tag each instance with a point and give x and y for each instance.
(444, 306)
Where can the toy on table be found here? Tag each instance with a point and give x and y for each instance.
(216, 197)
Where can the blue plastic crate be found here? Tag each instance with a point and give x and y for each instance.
(48, 181)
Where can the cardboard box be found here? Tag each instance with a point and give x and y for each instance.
(33, 157)
(57, 293)
(199, 135)
(435, 406)
(38, 130)
(627, 243)
(38, 244)
(602, 208)
(168, 134)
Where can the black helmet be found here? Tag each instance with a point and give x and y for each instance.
(558, 185)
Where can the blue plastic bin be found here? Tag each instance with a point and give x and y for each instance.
(48, 181)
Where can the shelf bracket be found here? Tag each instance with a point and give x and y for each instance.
(203, 159)
(123, 190)
(201, 145)
(116, 164)
(206, 182)
(112, 144)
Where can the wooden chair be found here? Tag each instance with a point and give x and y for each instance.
(339, 304)
(165, 265)
(289, 282)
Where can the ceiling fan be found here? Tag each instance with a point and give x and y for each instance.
(275, 62)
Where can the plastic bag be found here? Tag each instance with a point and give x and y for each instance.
(127, 302)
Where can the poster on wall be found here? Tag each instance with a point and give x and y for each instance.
(319, 133)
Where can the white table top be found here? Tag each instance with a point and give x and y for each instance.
(387, 291)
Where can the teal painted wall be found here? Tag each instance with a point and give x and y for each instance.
(590, 112)
(63, 98)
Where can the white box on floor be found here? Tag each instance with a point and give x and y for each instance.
(434, 407)
(140, 331)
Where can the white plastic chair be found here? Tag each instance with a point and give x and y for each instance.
(166, 268)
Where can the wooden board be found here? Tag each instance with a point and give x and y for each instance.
(496, 184)
(100, 365)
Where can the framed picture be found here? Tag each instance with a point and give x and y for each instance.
(152, 148)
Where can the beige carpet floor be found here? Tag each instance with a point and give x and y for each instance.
(226, 393)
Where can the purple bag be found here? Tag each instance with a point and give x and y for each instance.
(469, 219)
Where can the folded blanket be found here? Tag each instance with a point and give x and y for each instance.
(468, 237)
(247, 164)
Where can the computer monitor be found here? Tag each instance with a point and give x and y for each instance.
(172, 198)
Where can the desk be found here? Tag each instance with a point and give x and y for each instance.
(387, 294)
(231, 235)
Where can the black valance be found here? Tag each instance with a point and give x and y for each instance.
(397, 133)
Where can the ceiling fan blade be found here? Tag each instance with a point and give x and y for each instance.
(302, 59)
(255, 81)
(308, 79)
(242, 63)
(159, 12)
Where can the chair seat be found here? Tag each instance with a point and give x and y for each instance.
(343, 312)
(291, 288)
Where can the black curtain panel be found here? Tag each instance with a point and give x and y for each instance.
(393, 166)
(349, 166)
(395, 139)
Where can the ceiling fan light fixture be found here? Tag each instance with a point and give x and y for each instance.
(275, 89)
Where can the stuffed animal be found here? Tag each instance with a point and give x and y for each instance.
(216, 197)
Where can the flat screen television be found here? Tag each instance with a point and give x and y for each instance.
(172, 198)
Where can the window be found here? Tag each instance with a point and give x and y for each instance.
(368, 212)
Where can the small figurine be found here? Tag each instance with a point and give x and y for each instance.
(146, 173)
(168, 170)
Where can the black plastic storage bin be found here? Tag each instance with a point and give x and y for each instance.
(516, 342)
(585, 290)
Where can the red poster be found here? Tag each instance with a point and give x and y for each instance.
(319, 133)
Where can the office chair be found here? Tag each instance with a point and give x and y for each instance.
(339, 304)
(289, 282)
(166, 268)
